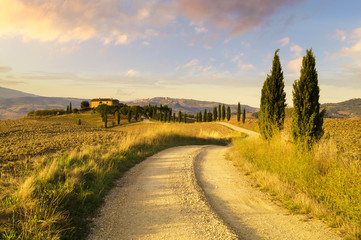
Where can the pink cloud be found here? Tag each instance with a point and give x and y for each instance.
(239, 16)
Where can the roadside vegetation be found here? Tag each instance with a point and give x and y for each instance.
(312, 166)
(52, 194)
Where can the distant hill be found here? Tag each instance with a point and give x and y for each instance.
(347, 109)
(189, 106)
(13, 108)
(6, 93)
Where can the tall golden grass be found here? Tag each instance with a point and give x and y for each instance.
(54, 199)
(321, 182)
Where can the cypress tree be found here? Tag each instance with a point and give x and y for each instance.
(129, 115)
(185, 117)
(273, 101)
(70, 108)
(173, 117)
(169, 115)
(209, 117)
(118, 117)
(223, 112)
(205, 115)
(307, 120)
(219, 112)
(228, 113)
(239, 112)
(215, 113)
(200, 116)
(179, 116)
(197, 117)
(67, 109)
(154, 114)
(244, 115)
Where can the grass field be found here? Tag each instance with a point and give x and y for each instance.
(323, 183)
(55, 173)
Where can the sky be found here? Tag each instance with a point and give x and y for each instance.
(214, 50)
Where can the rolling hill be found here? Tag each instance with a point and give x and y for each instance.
(347, 109)
(189, 106)
(16, 104)
(6, 93)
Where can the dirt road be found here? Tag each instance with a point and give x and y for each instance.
(160, 199)
(193, 192)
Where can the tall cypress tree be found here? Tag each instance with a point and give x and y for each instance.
(273, 101)
(179, 116)
(239, 112)
(200, 116)
(173, 117)
(129, 115)
(70, 108)
(244, 115)
(185, 117)
(228, 113)
(209, 117)
(223, 112)
(205, 115)
(215, 114)
(307, 120)
(219, 112)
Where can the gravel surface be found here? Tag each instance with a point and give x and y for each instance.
(160, 199)
(248, 211)
(193, 192)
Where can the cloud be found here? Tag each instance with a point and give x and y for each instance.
(294, 66)
(4, 69)
(242, 66)
(110, 21)
(132, 73)
(238, 16)
(201, 29)
(351, 48)
(296, 50)
(284, 41)
(340, 35)
(121, 22)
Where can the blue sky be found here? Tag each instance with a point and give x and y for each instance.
(217, 50)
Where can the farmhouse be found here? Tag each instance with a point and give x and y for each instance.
(108, 101)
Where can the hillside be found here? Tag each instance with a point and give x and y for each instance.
(13, 108)
(347, 109)
(189, 106)
(6, 93)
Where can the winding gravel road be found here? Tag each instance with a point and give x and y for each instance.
(193, 192)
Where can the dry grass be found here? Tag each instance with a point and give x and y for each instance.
(324, 182)
(47, 194)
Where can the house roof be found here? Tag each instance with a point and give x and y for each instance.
(103, 99)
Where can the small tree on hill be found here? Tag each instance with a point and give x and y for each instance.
(118, 117)
(219, 112)
(228, 113)
(239, 112)
(129, 115)
(84, 105)
(244, 115)
(210, 117)
(205, 115)
(307, 120)
(223, 112)
(215, 114)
